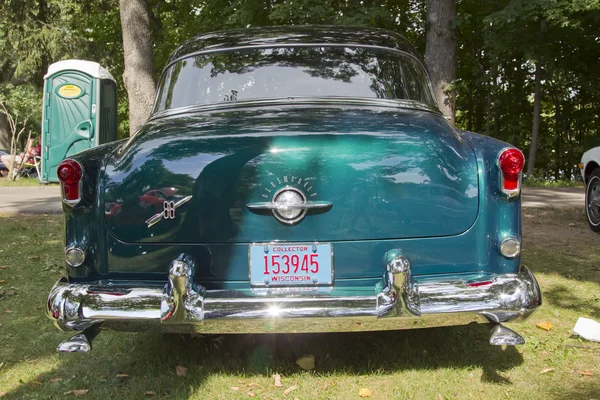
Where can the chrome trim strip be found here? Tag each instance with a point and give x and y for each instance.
(509, 297)
(289, 101)
(309, 205)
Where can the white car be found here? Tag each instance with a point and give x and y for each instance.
(590, 170)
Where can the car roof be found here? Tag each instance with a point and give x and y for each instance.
(293, 35)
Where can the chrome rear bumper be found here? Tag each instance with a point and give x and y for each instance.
(402, 303)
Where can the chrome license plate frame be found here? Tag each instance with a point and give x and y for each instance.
(258, 251)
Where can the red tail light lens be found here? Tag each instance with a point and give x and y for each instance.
(479, 283)
(70, 173)
(511, 162)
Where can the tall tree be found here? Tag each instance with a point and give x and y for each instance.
(536, 120)
(440, 52)
(32, 34)
(139, 60)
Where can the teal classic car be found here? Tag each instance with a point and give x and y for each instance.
(293, 179)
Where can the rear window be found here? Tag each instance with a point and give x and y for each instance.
(282, 72)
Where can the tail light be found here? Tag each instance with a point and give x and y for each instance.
(69, 174)
(511, 162)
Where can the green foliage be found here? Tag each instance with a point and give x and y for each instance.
(549, 181)
(25, 102)
(500, 44)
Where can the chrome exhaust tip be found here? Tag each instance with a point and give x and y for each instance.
(501, 335)
(80, 343)
(76, 344)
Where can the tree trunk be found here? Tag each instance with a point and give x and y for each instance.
(4, 133)
(440, 52)
(471, 112)
(478, 109)
(139, 61)
(497, 123)
(558, 132)
(536, 120)
(568, 112)
(489, 110)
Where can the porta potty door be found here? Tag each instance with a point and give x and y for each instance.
(69, 119)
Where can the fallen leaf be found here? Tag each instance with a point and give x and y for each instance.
(150, 393)
(2, 394)
(290, 389)
(306, 361)
(545, 371)
(3, 267)
(252, 384)
(33, 257)
(365, 392)
(586, 373)
(440, 397)
(54, 379)
(122, 376)
(77, 392)
(277, 379)
(234, 388)
(545, 325)
(181, 371)
(325, 386)
(251, 393)
(2, 281)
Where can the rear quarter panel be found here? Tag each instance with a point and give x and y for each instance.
(499, 216)
(84, 222)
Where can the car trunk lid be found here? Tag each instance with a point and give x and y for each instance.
(388, 174)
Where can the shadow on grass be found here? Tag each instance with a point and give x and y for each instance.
(151, 359)
(564, 297)
(561, 242)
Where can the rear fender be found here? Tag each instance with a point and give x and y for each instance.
(84, 226)
(501, 217)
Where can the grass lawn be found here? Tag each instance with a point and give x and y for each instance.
(445, 363)
(27, 181)
(533, 182)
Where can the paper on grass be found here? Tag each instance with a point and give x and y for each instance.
(587, 329)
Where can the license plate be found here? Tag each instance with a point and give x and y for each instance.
(290, 264)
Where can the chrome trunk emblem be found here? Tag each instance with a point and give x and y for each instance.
(289, 205)
(168, 212)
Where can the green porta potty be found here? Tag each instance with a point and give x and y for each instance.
(79, 112)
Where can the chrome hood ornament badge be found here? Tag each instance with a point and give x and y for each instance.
(168, 212)
(289, 204)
